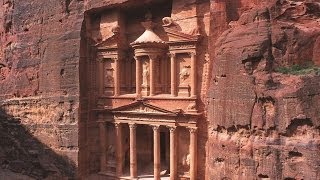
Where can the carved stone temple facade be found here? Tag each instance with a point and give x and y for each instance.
(145, 66)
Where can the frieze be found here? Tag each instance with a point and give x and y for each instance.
(182, 47)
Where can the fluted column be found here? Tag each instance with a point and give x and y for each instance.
(173, 162)
(153, 59)
(133, 151)
(173, 74)
(103, 144)
(156, 152)
(119, 148)
(193, 75)
(101, 76)
(138, 76)
(117, 77)
(193, 153)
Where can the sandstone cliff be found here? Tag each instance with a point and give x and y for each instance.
(264, 94)
(263, 110)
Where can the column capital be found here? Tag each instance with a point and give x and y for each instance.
(100, 59)
(172, 129)
(137, 58)
(132, 126)
(154, 56)
(192, 130)
(155, 127)
(172, 54)
(192, 53)
(117, 124)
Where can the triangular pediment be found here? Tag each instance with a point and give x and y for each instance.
(109, 43)
(140, 107)
(178, 36)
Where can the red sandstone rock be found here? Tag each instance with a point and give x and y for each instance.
(257, 123)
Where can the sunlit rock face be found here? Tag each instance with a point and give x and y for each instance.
(264, 94)
(237, 80)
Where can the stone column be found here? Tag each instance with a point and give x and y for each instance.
(173, 74)
(117, 77)
(153, 59)
(193, 75)
(119, 148)
(173, 162)
(138, 76)
(193, 153)
(101, 76)
(156, 152)
(103, 144)
(133, 151)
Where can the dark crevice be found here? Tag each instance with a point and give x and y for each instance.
(67, 6)
(295, 123)
(295, 154)
(263, 176)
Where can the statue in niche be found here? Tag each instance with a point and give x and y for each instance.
(145, 74)
(185, 73)
(109, 76)
(111, 153)
(185, 162)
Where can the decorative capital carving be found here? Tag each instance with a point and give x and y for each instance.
(133, 126)
(172, 129)
(172, 54)
(137, 58)
(155, 127)
(154, 56)
(192, 130)
(192, 53)
(117, 125)
(100, 59)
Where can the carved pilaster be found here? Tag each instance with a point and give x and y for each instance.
(173, 74)
(193, 74)
(119, 149)
(117, 77)
(138, 75)
(103, 144)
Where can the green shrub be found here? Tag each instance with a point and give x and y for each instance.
(299, 69)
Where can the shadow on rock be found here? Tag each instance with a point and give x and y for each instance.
(23, 156)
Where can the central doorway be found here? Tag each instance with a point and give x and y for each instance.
(145, 155)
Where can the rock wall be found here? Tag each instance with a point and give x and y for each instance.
(39, 86)
(264, 123)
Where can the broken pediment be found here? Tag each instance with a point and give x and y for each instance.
(140, 107)
(177, 36)
(110, 42)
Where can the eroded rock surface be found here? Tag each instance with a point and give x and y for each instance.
(259, 122)
(265, 124)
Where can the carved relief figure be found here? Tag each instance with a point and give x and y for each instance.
(109, 80)
(111, 153)
(185, 73)
(185, 163)
(145, 74)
